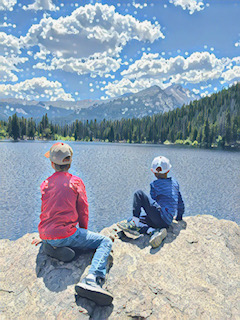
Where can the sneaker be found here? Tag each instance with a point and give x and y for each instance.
(65, 254)
(157, 237)
(129, 226)
(92, 290)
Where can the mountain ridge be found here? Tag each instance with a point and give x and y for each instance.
(149, 101)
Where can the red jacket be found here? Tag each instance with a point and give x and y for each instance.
(64, 205)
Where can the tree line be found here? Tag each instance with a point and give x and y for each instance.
(213, 120)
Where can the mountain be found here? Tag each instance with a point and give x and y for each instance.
(36, 109)
(210, 121)
(183, 96)
(150, 101)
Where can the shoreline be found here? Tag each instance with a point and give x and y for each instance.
(168, 144)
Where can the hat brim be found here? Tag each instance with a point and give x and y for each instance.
(47, 154)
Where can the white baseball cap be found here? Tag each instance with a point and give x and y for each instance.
(59, 152)
(160, 165)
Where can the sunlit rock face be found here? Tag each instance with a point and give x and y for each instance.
(194, 274)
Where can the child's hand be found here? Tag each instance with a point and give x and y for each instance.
(36, 241)
(113, 235)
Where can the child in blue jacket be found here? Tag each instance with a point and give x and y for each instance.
(165, 203)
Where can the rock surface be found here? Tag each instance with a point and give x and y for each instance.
(194, 274)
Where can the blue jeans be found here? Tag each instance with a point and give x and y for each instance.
(85, 240)
(152, 208)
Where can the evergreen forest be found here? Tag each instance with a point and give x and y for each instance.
(208, 122)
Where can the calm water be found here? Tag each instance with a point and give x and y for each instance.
(209, 181)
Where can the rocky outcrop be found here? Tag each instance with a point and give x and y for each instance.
(194, 274)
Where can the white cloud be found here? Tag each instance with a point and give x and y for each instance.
(232, 74)
(9, 48)
(89, 30)
(8, 66)
(41, 5)
(35, 89)
(126, 85)
(92, 66)
(7, 25)
(196, 91)
(199, 66)
(9, 44)
(152, 69)
(237, 44)
(139, 6)
(236, 60)
(92, 32)
(7, 4)
(191, 5)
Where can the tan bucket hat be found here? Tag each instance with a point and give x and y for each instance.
(59, 152)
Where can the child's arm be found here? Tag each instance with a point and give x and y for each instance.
(152, 192)
(181, 207)
(82, 206)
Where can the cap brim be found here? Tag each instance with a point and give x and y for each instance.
(47, 154)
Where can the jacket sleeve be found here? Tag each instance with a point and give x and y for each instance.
(181, 207)
(153, 192)
(82, 206)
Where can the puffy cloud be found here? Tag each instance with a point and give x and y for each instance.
(35, 89)
(126, 85)
(9, 43)
(9, 48)
(8, 66)
(191, 5)
(199, 66)
(232, 74)
(41, 5)
(88, 30)
(7, 4)
(92, 66)
(236, 60)
(152, 69)
(91, 32)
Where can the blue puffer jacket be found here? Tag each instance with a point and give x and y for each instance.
(166, 193)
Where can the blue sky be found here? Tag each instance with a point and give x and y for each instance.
(74, 50)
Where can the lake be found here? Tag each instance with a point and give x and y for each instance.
(209, 181)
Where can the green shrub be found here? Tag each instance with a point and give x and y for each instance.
(187, 142)
(195, 143)
(179, 141)
(167, 142)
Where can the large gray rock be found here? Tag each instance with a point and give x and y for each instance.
(194, 274)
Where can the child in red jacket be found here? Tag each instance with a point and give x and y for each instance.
(64, 207)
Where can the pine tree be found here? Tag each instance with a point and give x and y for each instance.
(23, 127)
(205, 137)
(15, 129)
(228, 127)
(31, 129)
(9, 126)
(111, 134)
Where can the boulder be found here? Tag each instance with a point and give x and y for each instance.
(194, 274)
